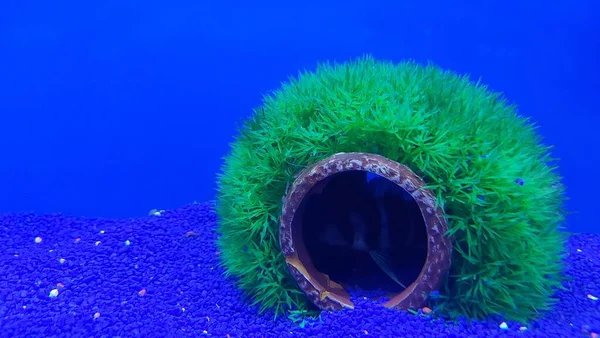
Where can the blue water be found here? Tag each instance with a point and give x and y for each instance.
(114, 108)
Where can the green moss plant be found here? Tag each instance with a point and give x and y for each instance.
(487, 165)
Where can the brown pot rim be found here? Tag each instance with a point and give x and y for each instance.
(329, 295)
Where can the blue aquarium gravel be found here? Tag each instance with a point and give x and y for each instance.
(158, 276)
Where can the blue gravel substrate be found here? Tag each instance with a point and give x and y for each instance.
(99, 279)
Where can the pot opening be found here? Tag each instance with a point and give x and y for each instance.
(334, 237)
(364, 232)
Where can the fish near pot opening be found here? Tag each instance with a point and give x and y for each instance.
(363, 220)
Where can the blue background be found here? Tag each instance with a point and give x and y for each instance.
(113, 108)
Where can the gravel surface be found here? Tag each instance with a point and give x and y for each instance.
(158, 276)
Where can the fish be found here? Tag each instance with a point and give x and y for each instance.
(332, 236)
(381, 256)
(379, 187)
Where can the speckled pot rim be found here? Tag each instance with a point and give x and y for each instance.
(329, 295)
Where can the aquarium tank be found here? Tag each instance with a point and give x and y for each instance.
(299, 169)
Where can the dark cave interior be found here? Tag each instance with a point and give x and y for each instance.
(330, 235)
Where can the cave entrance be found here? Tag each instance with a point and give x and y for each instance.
(365, 232)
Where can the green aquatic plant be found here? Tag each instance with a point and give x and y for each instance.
(486, 164)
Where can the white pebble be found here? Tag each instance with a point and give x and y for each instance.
(127, 243)
(592, 297)
(504, 326)
(97, 243)
(53, 293)
(155, 212)
(38, 240)
(102, 231)
(523, 328)
(579, 250)
(62, 261)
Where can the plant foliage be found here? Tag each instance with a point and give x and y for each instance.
(487, 165)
